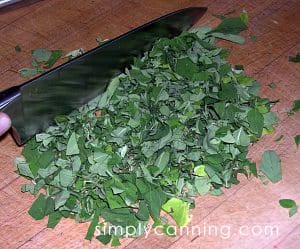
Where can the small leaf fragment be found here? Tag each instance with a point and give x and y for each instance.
(37, 210)
(54, 219)
(179, 210)
(289, 204)
(295, 58)
(295, 108)
(297, 140)
(72, 146)
(270, 166)
(18, 48)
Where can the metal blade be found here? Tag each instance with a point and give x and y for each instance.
(75, 82)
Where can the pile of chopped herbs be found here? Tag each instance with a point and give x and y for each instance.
(175, 125)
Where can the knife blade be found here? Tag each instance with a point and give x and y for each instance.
(33, 105)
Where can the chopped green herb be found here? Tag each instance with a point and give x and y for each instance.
(176, 123)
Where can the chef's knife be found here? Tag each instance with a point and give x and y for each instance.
(33, 105)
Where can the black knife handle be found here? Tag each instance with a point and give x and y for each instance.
(9, 95)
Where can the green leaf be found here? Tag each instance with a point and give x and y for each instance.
(230, 37)
(55, 55)
(295, 58)
(297, 140)
(256, 121)
(115, 241)
(27, 188)
(193, 156)
(228, 138)
(295, 108)
(155, 198)
(270, 118)
(93, 225)
(216, 192)
(202, 185)
(74, 53)
(186, 68)
(241, 137)
(290, 204)
(287, 203)
(72, 146)
(28, 72)
(233, 25)
(293, 211)
(23, 167)
(66, 177)
(272, 85)
(104, 238)
(179, 210)
(244, 17)
(270, 166)
(61, 198)
(18, 48)
(253, 169)
(200, 170)
(279, 138)
(41, 54)
(35, 158)
(54, 219)
(253, 38)
(162, 162)
(37, 210)
(143, 213)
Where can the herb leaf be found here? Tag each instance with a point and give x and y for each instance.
(270, 166)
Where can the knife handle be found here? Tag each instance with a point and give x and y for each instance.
(9, 95)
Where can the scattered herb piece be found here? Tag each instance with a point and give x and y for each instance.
(253, 38)
(297, 140)
(42, 59)
(27, 72)
(239, 67)
(270, 166)
(295, 108)
(101, 41)
(295, 58)
(272, 85)
(279, 138)
(244, 16)
(55, 55)
(18, 48)
(74, 53)
(289, 204)
(231, 25)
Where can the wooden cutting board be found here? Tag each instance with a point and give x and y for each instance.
(70, 25)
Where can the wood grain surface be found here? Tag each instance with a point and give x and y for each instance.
(73, 24)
